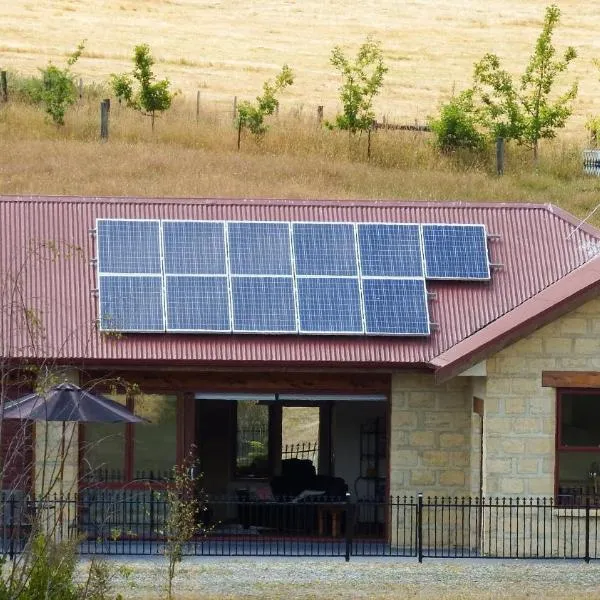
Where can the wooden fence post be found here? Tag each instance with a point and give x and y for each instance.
(4, 86)
(319, 114)
(234, 107)
(500, 156)
(80, 89)
(104, 113)
(197, 105)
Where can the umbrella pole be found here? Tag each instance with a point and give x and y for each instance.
(62, 458)
(61, 476)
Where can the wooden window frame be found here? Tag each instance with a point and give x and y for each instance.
(559, 446)
(128, 455)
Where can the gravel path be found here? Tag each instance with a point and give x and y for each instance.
(213, 578)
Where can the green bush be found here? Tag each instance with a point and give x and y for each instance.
(24, 88)
(456, 125)
(47, 572)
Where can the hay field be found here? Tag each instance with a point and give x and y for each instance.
(228, 48)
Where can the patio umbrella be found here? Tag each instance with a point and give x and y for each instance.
(67, 402)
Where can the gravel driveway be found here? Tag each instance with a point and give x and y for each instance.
(224, 577)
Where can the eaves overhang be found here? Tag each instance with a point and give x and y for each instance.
(565, 295)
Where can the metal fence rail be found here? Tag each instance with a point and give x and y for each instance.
(135, 522)
(306, 450)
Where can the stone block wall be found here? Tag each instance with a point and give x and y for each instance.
(430, 436)
(56, 468)
(520, 414)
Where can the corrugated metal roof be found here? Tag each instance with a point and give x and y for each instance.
(536, 246)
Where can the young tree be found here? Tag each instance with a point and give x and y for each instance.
(526, 111)
(252, 116)
(361, 82)
(186, 503)
(56, 90)
(151, 96)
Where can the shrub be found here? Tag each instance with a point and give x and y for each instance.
(56, 90)
(456, 126)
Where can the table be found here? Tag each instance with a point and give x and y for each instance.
(334, 512)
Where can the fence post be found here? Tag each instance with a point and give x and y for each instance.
(319, 114)
(349, 525)
(420, 527)
(152, 516)
(197, 105)
(500, 156)
(104, 113)
(587, 530)
(234, 107)
(4, 86)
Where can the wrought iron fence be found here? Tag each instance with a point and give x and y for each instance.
(135, 522)
(305, 450)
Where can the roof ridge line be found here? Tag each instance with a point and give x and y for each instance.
(380, 202)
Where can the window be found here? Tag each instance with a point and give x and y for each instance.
(578, 447)
(118, 453)
(300, 433)
(252, 447)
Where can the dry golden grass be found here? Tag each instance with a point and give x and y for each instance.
(296, 159)
(227, 48)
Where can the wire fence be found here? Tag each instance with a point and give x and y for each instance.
(115, 522)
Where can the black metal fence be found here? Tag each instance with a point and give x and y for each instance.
(135, 522)
(305, 450)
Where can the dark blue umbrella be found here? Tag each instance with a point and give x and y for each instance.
(69, 402)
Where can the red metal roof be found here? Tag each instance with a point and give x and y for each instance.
(537, 246)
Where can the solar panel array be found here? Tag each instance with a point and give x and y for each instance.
(278, 277)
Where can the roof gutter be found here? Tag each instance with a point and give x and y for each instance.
(568, 293)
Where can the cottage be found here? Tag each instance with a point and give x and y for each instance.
(448, 348)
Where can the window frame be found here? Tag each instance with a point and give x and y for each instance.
(272, 441)
(128, 455)
(561, 447)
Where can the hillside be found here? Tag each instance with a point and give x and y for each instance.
(228, 48)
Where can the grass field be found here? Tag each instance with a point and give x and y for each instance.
(228, 48)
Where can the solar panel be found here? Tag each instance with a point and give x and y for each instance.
(197, 304)
(390, 250)
(128, 246)
(329, 305)
(396, 306)
(131, 303)
(324, 249)
(257, 248)
(194, 247)
(263, 304)
(279, 277)
(455, 252)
